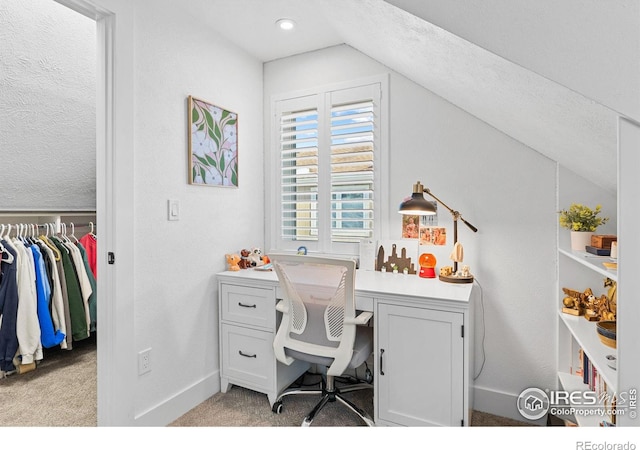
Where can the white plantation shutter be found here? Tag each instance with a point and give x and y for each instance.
(352, 171)
(299, 175)
(327, 148)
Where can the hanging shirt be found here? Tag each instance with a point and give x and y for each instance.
(90, 244)
(93, 299)
(8, 310)
(79, 328)
(49, 337)
(57, 302)
(83, 279)
(27, 325)
(65, 304)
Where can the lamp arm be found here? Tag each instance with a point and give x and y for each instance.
(474, 229)
(456, 214)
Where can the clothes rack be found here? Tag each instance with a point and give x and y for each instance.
(48, 289)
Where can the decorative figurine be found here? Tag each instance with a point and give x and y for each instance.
(612, 294)
(427, 263)
(256, 257)
(446, 271)
(232, 261)
(245, 263)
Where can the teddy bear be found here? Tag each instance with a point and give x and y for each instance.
(256, 257)
(232, 261)
(245, 262)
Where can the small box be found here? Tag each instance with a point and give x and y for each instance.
(598, 251)
(603, 240)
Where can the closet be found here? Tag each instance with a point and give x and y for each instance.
(48, 292)
(48, 182)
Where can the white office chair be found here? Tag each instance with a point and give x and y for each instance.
(319, 325)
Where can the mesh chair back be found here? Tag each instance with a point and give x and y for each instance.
(318, 296)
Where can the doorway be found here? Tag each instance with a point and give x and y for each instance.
(116, 373)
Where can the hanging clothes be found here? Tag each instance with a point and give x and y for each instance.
(27, 325)
(57, 307)
(49, 336)
(48, 294)
(90, 242)
(8, 309)
(79, 329)
(93, 299)
(83, 279)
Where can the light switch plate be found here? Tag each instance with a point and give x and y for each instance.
(173, 209)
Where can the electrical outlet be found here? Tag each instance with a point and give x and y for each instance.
(144, 361)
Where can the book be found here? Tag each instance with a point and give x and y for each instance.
(598, 251)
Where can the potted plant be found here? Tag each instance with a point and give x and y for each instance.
(582, 221)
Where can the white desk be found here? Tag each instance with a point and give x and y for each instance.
(423, 330)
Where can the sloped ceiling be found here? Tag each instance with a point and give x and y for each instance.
(570, 119)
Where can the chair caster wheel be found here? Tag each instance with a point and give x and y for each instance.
(277, 407)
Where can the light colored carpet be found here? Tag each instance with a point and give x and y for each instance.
(61, 392)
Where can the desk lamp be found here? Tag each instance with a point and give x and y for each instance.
(417, 205)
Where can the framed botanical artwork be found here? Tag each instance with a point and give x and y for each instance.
(213, 145)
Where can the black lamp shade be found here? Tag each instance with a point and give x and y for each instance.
(417, 205)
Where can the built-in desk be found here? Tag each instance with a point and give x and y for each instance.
(423, 331)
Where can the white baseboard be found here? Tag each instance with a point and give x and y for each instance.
(494, 402)
(166, 412)
(501, 404)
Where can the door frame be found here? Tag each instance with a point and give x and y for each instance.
(116, 373)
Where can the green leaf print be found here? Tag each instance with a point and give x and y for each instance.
(211, 161)
(234, 175)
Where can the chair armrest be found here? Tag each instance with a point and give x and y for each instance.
(360, 319)
(282, 307)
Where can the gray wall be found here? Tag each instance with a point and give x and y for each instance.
(47, 107)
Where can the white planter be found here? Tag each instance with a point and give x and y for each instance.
(580, 239)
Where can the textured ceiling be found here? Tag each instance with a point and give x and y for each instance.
(555, 119)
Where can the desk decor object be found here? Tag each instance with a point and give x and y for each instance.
(427, 263)
(233, 261)
(396, 256)
(213, 145)
(417, 205)
(607, 332)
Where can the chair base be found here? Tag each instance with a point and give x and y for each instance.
(330, 393)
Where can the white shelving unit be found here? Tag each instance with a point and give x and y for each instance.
(579, 270)
(578, 333)
(591, 261)
(575, 270)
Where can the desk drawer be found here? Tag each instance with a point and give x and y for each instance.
(247, 356)
(364, 303)
(248, 305)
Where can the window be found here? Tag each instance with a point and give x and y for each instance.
(327, 161)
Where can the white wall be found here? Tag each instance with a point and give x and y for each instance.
(175, 295)
(47, 107)
(589, 46)
(504, 188)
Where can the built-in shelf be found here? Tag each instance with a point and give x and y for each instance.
(591, 261)
(573, 383)
(585, 334)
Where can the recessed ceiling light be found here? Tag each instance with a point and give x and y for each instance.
(286, 24)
